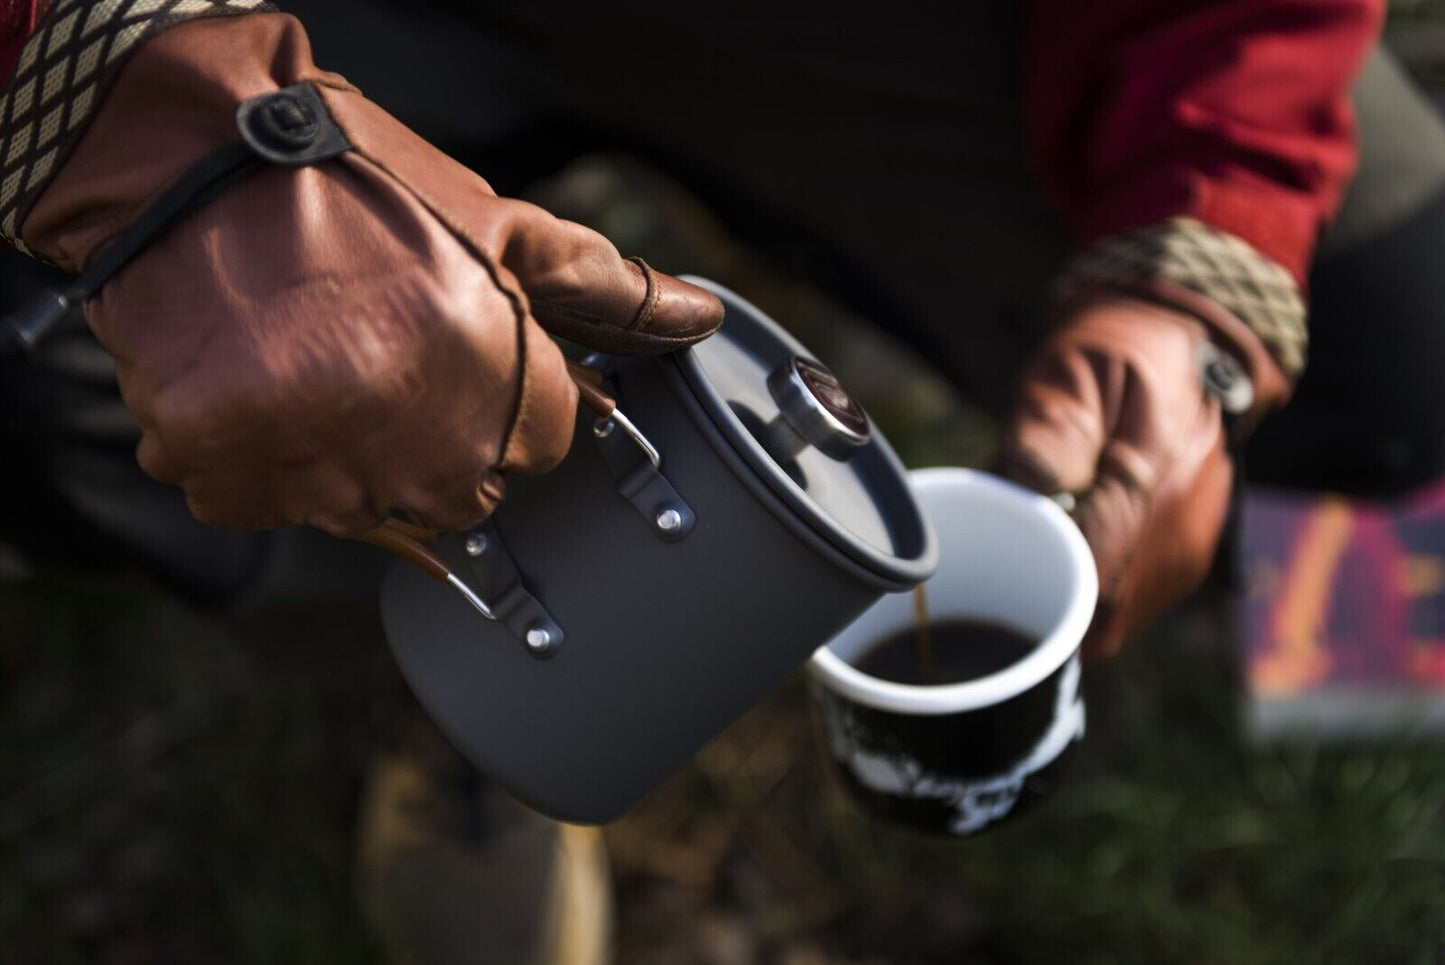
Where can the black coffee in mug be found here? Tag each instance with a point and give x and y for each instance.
(954, 712)
(946, 652)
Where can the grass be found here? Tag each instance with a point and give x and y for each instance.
(170, 790)
(178, 788)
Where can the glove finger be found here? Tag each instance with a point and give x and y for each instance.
(1172, 549)
(1054, 438)
(582, 290)
(547, 408)
(454, 483)
(1112, 516)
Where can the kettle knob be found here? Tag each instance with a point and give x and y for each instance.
(816, 411)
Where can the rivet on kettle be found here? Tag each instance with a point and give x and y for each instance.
(539, 639)
(476, 544)
(602, 428)
(669, 520)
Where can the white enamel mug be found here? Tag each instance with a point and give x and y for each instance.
(957, 757)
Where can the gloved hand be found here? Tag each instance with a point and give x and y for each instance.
(1114, 411)
(327, 344)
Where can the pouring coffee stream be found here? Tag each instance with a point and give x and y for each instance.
(923, 633)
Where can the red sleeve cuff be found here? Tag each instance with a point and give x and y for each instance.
(1278, 224)
(1235, 113)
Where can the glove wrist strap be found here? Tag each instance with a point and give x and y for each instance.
(290, 127)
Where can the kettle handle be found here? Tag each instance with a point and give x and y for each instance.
(408, 540)
(589, 389)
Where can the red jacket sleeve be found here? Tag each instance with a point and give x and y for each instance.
(1234, 112)
(17, 22)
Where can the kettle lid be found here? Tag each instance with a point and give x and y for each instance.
(790, 423)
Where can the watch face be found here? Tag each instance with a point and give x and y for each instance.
(830, 394)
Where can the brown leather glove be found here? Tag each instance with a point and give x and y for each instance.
(328, 344)
(1114, 411)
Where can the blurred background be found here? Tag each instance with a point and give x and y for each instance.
(174, 787)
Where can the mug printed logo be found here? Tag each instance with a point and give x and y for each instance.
(879, 765)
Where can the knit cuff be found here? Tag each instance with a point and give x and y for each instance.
(1186, 252)
(65, 69)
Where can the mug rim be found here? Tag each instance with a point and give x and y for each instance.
(1061, 642)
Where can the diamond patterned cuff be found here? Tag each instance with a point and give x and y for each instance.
(1212, 263)
(62, 76)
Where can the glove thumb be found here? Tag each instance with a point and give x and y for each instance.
(582, 290)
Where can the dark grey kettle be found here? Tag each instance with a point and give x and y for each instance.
(690, 552)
